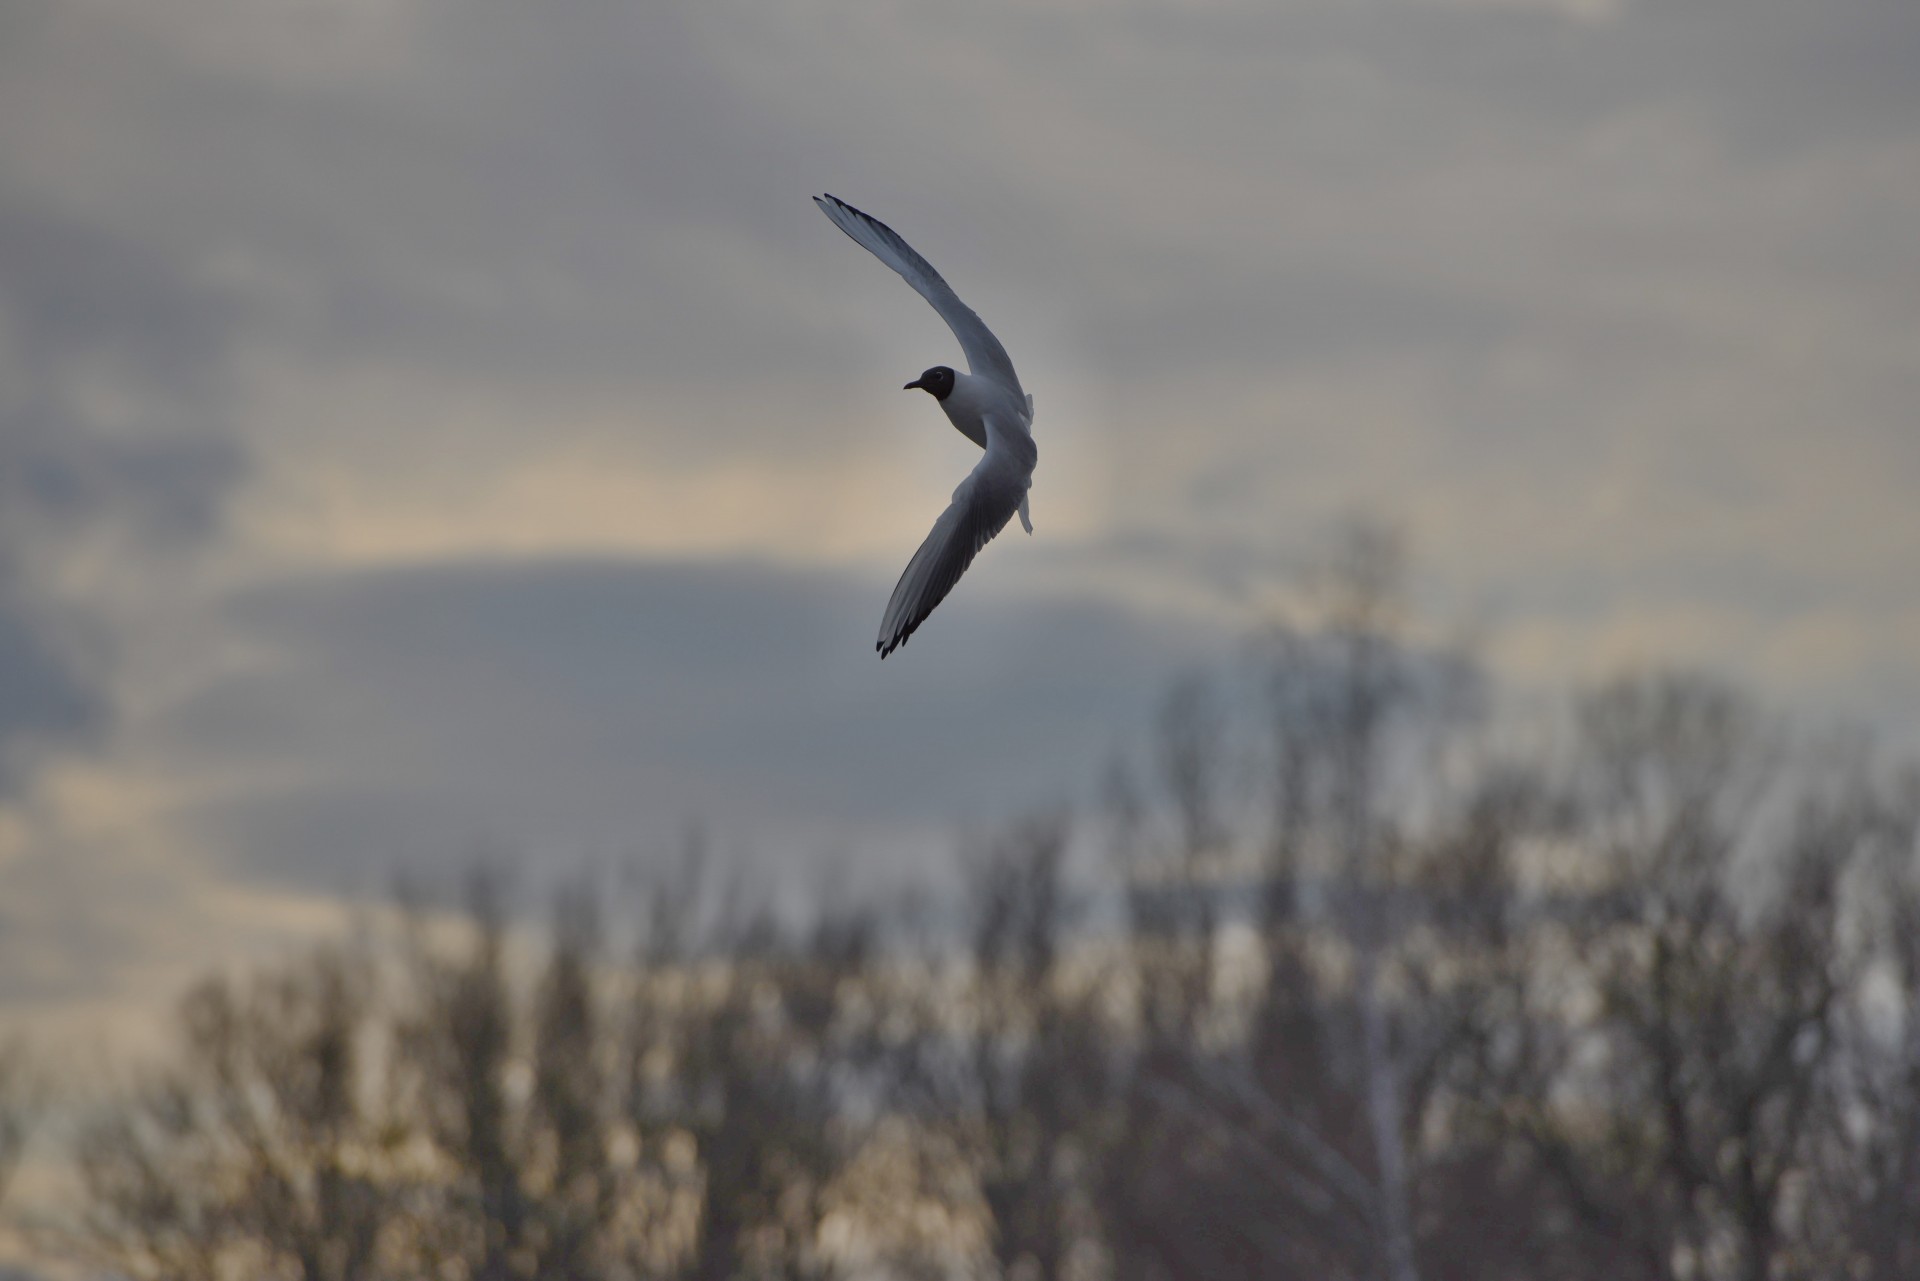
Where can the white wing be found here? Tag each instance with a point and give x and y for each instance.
(985, 355)
(983, 504)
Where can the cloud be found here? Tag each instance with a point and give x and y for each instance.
(426, 425)
(42, 700)
(587, 710)
(107, 358)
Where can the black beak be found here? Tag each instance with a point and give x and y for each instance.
(920, 382)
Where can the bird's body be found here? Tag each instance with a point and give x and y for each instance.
(987, 406)
(974, 399)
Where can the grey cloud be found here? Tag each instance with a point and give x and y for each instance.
(44, 703)
(77, 305)
(72, 288)
(77, 919)
(80, 305)
(1780, 75)
(574, 709)
(1774, 73)
(1567, 249)
(607, 201)
(502, 193)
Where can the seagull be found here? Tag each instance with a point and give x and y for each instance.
(986, 405)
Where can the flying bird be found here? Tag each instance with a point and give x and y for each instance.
(986, 405)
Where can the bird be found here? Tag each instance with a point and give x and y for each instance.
(986, 405)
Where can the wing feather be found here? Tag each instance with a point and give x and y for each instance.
(985, 355)
(982, 505)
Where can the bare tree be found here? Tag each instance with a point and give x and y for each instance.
(1283, 1139)
(1716, 1010)
(738, 1060)
(578, 1178)
(1008, 1064)
(1864, 1207)
(1158, 1190)
(520, 1098)
(1353, 707)
(19, 1101)
(457, 1066)
(1647, 1010)
(261, 1150)
(1365, 601)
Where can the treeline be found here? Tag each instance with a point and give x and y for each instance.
(1342, 981)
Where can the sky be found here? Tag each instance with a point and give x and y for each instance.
(434, 431)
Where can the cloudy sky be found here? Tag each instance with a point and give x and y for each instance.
(433, 429)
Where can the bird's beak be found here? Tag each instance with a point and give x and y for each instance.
(921, 383)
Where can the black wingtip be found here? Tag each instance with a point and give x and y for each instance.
(861, 214)
(887, 647)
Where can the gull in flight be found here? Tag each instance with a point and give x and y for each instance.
(985, 404)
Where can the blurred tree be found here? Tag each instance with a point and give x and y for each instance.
(1866, 1178)
(739, 1061)
(1372, 1003)
(1007, 1060)
(462, 1084)
(20, 1101)
(262, 1150)
(1679, 1135)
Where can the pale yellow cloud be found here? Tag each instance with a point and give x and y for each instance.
(383, 464)
(1825, 653)
(126, 910)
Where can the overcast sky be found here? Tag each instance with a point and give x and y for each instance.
(432, 428)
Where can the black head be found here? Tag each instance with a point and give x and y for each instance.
(936, 382)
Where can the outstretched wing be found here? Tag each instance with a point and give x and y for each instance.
(983, 504)
(985, 355)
